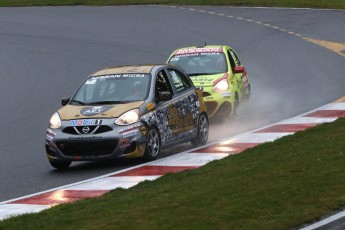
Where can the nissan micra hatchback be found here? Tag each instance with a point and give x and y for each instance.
(128, 111)
(219, 72)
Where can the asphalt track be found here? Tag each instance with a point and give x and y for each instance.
(46, 52)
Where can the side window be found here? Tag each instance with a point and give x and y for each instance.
(232, 62)
(180, 81)
(162, 84)
(236, 59)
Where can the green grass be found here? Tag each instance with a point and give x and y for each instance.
(332, 4)
(277, 185)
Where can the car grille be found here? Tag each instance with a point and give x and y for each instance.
(87, 147)
(78, 130)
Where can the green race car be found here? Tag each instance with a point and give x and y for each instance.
(219, 72)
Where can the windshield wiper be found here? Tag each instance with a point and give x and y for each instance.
(78, 102)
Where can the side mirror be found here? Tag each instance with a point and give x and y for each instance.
(65, 101)
(206, 94)
(165, 96)
(238, 69)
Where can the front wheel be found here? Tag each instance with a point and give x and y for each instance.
(58, 164)
(153, 145)
(202, 135)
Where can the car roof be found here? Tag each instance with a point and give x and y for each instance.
(201, 47)
(125, 69)
(207, 46)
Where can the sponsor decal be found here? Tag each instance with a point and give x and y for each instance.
(85, 122)
(124, 142)
(93, 80)
(226, 94)
(199, 50)
(91, 111)
(52, 146)
(245, 81)
(50, 135)
(90, 82)
(131, 131)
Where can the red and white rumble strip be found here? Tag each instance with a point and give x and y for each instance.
(188, 160)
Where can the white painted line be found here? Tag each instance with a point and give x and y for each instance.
(259, 137)
(325, 221)
(334, 106)
(65, 187)
(110, 183)
(188, 159)
(307, 120)
(10, 210)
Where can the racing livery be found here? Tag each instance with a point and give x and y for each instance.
(218, 71)
(128, 111)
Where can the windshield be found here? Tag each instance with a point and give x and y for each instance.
(111, 89)
(201, 63)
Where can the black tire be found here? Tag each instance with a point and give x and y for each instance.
(153, 144)
(203, 130)
(60, 164)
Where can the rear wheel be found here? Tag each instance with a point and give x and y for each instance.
(58, 164)
(202, 135)
(153, 145)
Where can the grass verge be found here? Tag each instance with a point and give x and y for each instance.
(331, 4)
(277, 185)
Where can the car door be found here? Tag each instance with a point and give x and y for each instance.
(185, 106)
(234, 61)
(164, 117)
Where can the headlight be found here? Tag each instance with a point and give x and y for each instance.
(55, 121)
(128, 118)
(221, 86)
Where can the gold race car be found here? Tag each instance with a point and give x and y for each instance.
(219, 72)
(129, 111)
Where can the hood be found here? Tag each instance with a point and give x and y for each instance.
(69, 112)
(205, 80)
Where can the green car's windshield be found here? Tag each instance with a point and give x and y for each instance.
(113, 89)
(201, 63)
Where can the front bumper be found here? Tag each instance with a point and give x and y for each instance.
(109, 141)
(218, 103)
